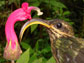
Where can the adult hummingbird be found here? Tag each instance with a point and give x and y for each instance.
(65, 47)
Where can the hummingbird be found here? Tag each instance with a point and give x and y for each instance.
(65, 47)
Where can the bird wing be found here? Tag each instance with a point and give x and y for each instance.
(80, 57)
(69, 50)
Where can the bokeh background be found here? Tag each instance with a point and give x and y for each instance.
(36, 38)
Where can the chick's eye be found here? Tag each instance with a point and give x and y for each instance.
(59, 25)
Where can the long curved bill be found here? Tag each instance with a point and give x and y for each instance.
(41, 22)
(31, 22)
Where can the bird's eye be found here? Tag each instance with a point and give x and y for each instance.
(59, 25)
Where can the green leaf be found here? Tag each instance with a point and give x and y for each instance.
(24, 58)
(38, 60)
(25, 45)
(66, 13)
(46, 50)
(33, 27)
(66, 19)
(51, 60)
(37, 46)
(61, 11)
(33, 57)
(2, 3)
(58, 4)
(11, 1)
(34, 3)
(2, 60)
(71, 23)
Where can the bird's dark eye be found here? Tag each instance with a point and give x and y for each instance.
(59, 25)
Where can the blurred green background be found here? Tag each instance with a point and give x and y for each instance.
(35, 43)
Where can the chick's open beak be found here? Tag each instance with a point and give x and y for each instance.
(31, 22)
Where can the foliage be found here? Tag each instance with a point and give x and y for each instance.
(24, 57)
(36, 43)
